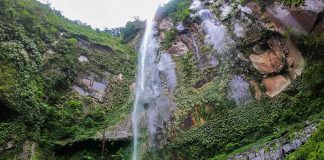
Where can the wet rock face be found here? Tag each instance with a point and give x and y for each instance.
(196, 5)
(239, 90)
(180, 27)
(274, 85)
(247, 25)
(254, 7)
(166, 65)
(299, 19)
(159, 117)
(216, 33)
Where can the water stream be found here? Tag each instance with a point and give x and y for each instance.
(151, 112)
(145, 64)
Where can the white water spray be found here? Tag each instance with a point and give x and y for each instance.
(148, 47)
(148, 90)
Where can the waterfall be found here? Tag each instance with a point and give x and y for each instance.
(146, 58)
(151, 110)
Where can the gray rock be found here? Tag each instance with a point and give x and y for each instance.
(262, 153)
(273, 154)
(239, 90)
(180, 27)
(286, 148)
(266, 155)
(251, 155)
(280, 153)
(307, 123)
(10, 145)
(298, 142)
(257, 158)
(83, 58)
(196, 5)
(245, 9)
(293, 146)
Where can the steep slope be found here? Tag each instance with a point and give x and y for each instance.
(248, 74)
(60, 82)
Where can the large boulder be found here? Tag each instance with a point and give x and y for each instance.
(271, 60)
(267, 62)
(275, 85)
(180, 27)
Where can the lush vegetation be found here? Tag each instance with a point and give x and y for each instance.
(39, 51)
(177, 10)
(131, 29)
(293, 2)
(219, 127)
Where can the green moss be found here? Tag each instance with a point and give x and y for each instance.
(293, 2)
(39, 51)
(170, 37)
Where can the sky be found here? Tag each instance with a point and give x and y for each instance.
(105, 13)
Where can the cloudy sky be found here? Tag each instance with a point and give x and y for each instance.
(105, 13)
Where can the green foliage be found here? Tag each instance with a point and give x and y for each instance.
(230, 129)
(182, 12)
(293, 2)
(39, 51)
(170, 36)
(312, 46)
(177, 10)
(131, 30)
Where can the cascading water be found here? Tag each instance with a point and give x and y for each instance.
(152, 106)
(148, 46)
(216, 34)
